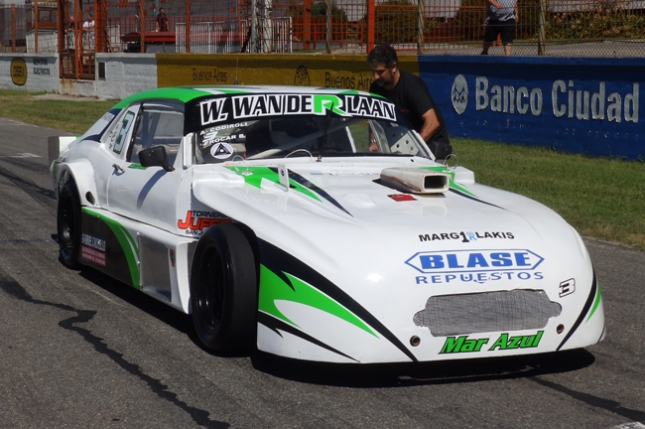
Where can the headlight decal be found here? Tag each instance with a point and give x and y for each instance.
(277, 325)
(589, 308)
(280, 262)
(275, 289)
(596, 303)
(254, 176)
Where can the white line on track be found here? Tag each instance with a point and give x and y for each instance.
(22, 155)
(631, 425)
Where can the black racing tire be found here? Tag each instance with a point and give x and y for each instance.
(224, 291)
(68, 220)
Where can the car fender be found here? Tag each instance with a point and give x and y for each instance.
(82, 172)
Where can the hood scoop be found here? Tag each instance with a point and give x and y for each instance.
(415, 181)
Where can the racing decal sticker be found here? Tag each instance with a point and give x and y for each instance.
(402, 197)
(306, 183)
(567, 287)
(93, 249)
(466, 236)
(478, 266)
(508, 342)
(458, 261)
(197, 221)
(212, 111)
(121, 250)
(136, 166)
(505, 341)
(126, 123)
(590, 307)
(296, 290)
(255, 175)
(222, 150)
(240, 107)
(286, 277)
(277, 325)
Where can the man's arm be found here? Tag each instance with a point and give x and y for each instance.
(517, 16)
(430, 124)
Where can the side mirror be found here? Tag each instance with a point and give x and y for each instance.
(155, 157)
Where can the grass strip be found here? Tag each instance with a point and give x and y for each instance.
(72, 116)
(600, 197)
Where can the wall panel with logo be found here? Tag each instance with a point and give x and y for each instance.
(29, 72)
(335, 71)
(575, 105)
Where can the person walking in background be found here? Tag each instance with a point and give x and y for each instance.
(162, 21)
(411, 97)
(501, 19)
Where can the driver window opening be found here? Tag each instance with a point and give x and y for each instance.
(157, 126)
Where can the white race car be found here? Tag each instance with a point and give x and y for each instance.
(315, 224)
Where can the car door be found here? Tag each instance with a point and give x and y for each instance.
(147, 194)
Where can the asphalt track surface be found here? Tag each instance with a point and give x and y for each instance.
(80, 350)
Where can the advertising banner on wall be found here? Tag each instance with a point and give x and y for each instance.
(574, 105)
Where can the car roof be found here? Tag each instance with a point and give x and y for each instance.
(185, 94)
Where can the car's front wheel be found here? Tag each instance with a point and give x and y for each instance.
(69, 225)
(224, 291)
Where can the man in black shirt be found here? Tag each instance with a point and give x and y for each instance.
(162, 21)
(410, 95)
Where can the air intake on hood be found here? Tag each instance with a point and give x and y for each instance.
(415, 181)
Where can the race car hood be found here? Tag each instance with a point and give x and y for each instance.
(354, 198)
(342, 230)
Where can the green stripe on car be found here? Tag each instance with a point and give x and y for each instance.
(273, 288)
(127, 242)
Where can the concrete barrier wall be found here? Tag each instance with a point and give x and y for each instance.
(579, 105)
(29, 72)
(120, 75)
(117, 75)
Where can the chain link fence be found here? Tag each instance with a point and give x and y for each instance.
(571, 28)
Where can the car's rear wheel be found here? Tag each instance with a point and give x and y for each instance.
(224, 291)
(69, 225)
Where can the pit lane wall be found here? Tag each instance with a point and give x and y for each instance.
(29, 72)
(574, 105)
(117, 75)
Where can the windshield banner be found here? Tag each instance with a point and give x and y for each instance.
(239, 107)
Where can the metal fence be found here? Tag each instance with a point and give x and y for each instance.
(582, 28)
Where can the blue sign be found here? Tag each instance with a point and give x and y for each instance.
(574, 105)
(473, 261)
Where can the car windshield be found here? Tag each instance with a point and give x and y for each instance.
(305, 135)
